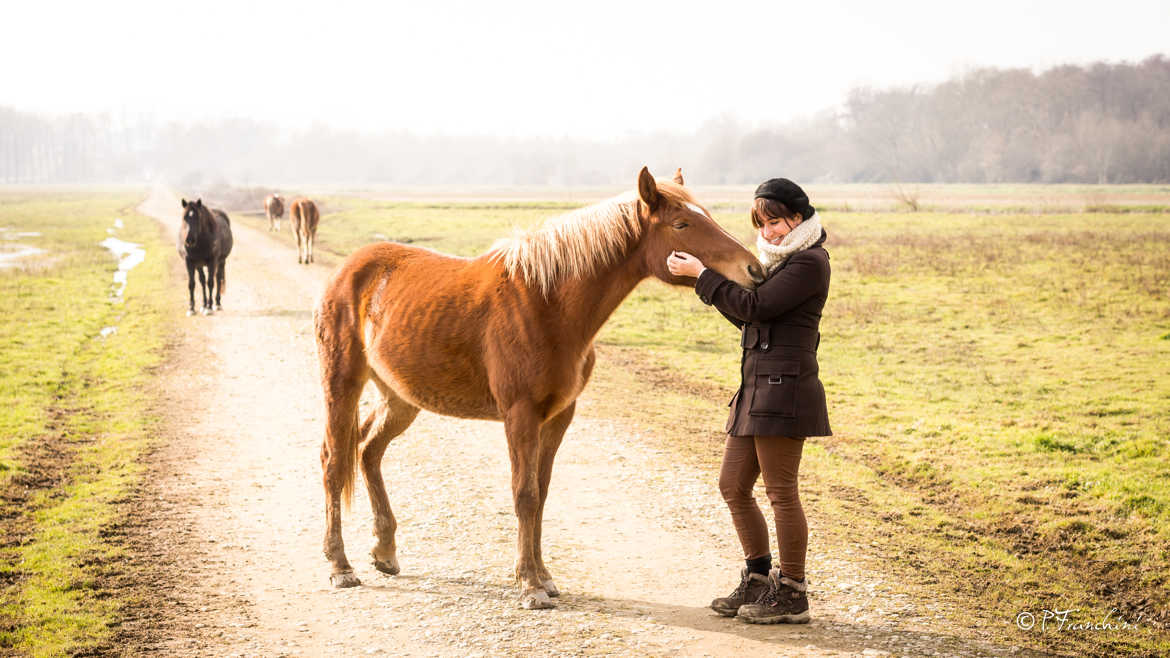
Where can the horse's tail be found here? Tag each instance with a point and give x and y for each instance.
(340, 350)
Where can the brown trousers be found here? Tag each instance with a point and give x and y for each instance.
(778, 458)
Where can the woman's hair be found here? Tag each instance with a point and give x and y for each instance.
(765, 209)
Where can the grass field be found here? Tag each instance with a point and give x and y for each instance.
(75, 420)
(996, 381)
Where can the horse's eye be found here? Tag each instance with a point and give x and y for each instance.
(680, 225)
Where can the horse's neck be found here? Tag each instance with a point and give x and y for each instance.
(209, 227)
(585, 304)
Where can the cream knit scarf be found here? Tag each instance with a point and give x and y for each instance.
(798, 239)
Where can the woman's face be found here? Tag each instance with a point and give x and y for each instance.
(775, 228)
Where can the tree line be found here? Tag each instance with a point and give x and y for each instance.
(1099, 123)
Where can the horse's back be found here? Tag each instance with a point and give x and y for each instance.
(223, 228)
(418, 317)
(304, 215)
(399, 266)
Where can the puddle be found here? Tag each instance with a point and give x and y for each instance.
(12, 254)
(7, 233)
(129, 256)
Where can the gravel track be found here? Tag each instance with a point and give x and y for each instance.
(637, 542)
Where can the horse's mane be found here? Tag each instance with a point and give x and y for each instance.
(206, 219)
(579, 243)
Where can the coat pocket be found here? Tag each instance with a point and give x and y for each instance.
(774, 393)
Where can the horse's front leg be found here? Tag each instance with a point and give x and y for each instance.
(191, 288)
(522, 426)
(202, 287)
(212, 277)
(551, 434)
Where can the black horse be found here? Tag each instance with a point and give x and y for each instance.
(205, 240)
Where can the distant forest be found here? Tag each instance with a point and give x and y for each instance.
(1101, 123)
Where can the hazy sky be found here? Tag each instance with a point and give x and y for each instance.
(513, 67)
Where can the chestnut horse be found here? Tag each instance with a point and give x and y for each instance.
(205, 240)
(274, 209)
(303, 217)
(504, 336)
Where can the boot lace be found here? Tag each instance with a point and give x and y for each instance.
(772, 596)
(741, 589)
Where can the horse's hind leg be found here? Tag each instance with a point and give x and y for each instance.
(219, 277)
(391, 418)
(343, 374)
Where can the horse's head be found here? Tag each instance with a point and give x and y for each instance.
(192, 222)
(677, 223)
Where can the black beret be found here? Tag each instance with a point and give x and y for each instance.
(788, 193)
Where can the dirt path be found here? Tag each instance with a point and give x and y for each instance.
(638, 544)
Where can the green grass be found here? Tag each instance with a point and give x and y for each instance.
(76, 420)
(997, 384)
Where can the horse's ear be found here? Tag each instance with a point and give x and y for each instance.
(648, 189)
(678, 176)
(184, 202)
(199, 203)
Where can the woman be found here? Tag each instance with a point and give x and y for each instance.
(780, 399)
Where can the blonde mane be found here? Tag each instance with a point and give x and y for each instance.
(579, 243)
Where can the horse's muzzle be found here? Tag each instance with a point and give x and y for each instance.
(757, 273)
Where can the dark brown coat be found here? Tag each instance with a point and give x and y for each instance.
(780, 393)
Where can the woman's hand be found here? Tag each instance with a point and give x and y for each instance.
(680, 263)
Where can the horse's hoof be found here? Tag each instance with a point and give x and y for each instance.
(343, 580)
(536, 599)
(551, 588)
(206, 311)
(218, 307)
(387, 566)
(190, 312)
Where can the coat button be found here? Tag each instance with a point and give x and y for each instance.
(764, 345)
(704, 299)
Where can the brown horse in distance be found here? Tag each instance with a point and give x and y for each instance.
(274, 209)
(505, 336)
(303, 216)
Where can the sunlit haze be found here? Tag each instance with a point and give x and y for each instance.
(598, 69)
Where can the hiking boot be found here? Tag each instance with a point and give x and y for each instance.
(785, 602)
(751, 587)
